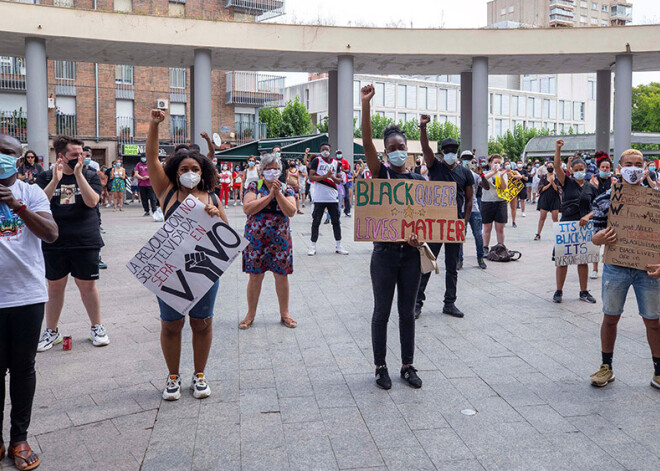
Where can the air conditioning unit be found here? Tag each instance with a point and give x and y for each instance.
(162, 104)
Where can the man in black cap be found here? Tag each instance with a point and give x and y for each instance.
(446, 171)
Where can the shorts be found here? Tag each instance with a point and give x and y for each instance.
(494, 211)
(134, 188)
(616, 282)
(82, 264)
(202, 310)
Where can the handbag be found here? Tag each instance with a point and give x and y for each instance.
(427, 259)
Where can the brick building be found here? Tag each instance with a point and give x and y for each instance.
(108, 105)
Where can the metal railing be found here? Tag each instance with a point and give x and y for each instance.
(256, 89)
(124, 82)
(12, 73)
(178, 85)
(65, 124)
(125, 129)
(262, 9)
(14, 123)
(178, 129)
(563, 3)
(244, 131)
(65, 78)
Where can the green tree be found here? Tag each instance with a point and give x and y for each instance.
(438, 131)
(273, 119)
(495, 147)
(296, 120)
(513, 142)
(646, 108)
(378, 125)
(323, 126)
(411, 128)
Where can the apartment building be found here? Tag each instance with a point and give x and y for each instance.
(560, 13)
(108, 104)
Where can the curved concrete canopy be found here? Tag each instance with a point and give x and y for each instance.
(117, 38)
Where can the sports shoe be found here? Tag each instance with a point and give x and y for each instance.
(556, 298)
(452, 310)
(587, 297)
(102, 264)
(524, 215)
(410, 375)
(383, 380)
(312, 251)
(101, 230)
(327, 221)
(199, 386)
(98, 336)
(172, 391)
(48, 339)
(459, 265)
(537, 237)
(341, 251)
(418, 311)
(603, 376)
(482, 264)
(594, 275)
(235, 203)
(655, 382)
(108, 205)
(227, 206)
(515, 225)
(146, 213)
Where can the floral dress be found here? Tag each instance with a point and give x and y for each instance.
(271, 246)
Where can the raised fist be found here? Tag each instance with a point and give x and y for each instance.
(157, 116)
(560, 143)
(424, 120)
(367, 93)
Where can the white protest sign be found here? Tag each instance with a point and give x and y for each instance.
(573, 244)
(186, 256)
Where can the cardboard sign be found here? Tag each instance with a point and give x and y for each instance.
(186, 256)
(513, 188)
(573, 244)
(635, 217)
(392, 210)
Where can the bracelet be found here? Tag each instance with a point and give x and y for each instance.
(21, 209)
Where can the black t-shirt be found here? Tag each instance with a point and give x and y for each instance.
(78, 224)
(576, 199)
(654, 178)
(525, 173)
(30, 171)
(440, 172)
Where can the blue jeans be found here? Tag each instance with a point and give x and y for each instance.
(477, 232)
(616, 282)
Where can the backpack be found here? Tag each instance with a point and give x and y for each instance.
(499, 253)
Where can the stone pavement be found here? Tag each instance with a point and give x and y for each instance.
(305, 399)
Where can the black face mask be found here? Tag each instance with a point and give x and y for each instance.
(550, 169)
(72, 163)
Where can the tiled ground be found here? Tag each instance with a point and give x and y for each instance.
(305, 399)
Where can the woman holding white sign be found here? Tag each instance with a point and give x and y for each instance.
(268, 205)
(394, 266)
(186, 173)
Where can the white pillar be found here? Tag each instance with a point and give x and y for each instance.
(345, 107)
(332, 108)
(622, 104)
(466, 111)
(603, 104)
(480, 105)
(37, 95)
(202, 117)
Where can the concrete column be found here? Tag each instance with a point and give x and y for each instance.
(332, 108)
(622, 104)
(37, 95)
(345, 107)
(603, 105)
(257, 134)
(191, 81)
(466, 111)
(480, 105)
(201, 98)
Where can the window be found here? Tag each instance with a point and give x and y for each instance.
(390, 115)
(401, 96)
(452, 98)
(411, 98)
(380, 94)
(534, 85)
(514, 105)
(124, 74)
(594, 6)
(511, 9)
(584, 4)
(423, 98)
(307, 98)
(530, 106)
(594, 21)
(498, 127)
(124, 114)
(553, 109)
(552, 85)
(356, 92)
(578, 111)
(505, 105)
(177, 78)
(65, 70)
(390, 95)
(63, 3)
(178, 121)
(503, 12)
(546, 109)
(497, 104)
(123, 5)
(592, 90)
(545, 85)
(583, 19)
(442, 94)
(432, 101)
(521, 106)
(605, 8)
(604, 23)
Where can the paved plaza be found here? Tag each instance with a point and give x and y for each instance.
(305, 399)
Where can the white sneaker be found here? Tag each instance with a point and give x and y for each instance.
(48, 339)
(108, 205)
(234, 203)
(241, 203)
(172, 391)
(523, 215)
(312, 251)
(341, 251)
(200, 387)
(227, 206)
(594, 275)
(98, 336)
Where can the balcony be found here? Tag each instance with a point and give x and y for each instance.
(14, 123)
(261, 9)
(65, 124)
(124, 82)
(12, 74)
(562, 3)
(65, 78)
(621, 13)
(245, 131)
(559, 16)
(125, 129)
(178, 126)
(255, 89)
(178, 85)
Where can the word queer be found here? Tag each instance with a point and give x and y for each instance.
(635, 217)
(393, 210)
(573, 244)
(186, 256)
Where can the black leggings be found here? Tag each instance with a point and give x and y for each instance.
(19, 335)
(317, 215)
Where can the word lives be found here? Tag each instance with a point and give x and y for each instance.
(393, 210)
(635, 217)
(186, 256)
(573, 244)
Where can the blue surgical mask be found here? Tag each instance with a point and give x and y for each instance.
(604, 174)
(250, 164)
(465, 163)
(143, 159)
(87, 161)
(652, 168)
(7, 166)
(450, 158)
(397, 158)
(580, 175)
(278, 154)
(588, 161)
(536, 165)
(507, 166)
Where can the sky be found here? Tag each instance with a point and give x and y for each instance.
(421, 14)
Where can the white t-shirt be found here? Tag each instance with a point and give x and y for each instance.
(20, 251)
(251, 175)
(325, 192)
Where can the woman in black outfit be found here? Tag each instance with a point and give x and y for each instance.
(602, 181)
(394, 266)
(549, 200)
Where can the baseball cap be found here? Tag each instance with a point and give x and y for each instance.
(466, 154)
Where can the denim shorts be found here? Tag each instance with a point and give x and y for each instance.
(616, 282)
(202, 310)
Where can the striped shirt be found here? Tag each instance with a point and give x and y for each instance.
(601, 208)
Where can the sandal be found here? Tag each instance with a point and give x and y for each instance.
(21, 454)
(288, 322)
(245, 324)
(300, 212)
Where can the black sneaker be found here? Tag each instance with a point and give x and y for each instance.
(459, 265)
(146, 213)
(515, 225)
(383, 378)
(327, 221)
(537, 237)
(587, 297)
(482, 264)
(418, 311)
(557, 296)
(452, 310)
(410, 375)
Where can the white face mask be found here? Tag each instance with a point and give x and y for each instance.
(325, 154)
(632, 175)
(450, 158)
(271, 175)
(190, 180)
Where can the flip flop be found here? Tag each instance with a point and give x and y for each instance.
(245, 325)
(288, 322)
